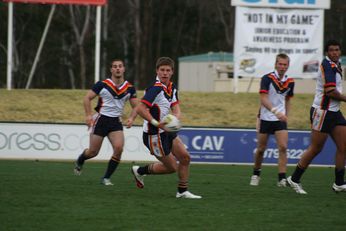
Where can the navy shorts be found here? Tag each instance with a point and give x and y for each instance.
(159, 144)
(270, 127)
(325, 121)
(104, 125)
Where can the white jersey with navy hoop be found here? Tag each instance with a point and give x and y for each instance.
(277, 91)
(112, 98)
(329, 75)
(159, 98)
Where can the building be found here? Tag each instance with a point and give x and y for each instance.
(210, 72)
(213, 72)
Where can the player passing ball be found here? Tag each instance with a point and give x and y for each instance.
(159, 101)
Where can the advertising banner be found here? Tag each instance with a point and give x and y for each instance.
(227, 146)
(63, 141)
(77, 2)
(312, 4)
(262, 33)
(239, 145)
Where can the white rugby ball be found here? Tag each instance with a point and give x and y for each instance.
(172, 123)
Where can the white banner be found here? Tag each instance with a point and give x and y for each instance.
(262, 33)
(60, 141)
(312, 4)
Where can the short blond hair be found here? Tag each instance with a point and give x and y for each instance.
(162, 61)
(282, 56)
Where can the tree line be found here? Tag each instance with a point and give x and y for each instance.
(136, 31)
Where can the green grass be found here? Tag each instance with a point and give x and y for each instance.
(199, 109)
(46, 195)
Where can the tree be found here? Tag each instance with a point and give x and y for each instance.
(138, 31)
(80, 22)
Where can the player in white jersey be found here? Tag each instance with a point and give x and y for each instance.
(157, 102)
(112, 95)
(326, 119)
(276, 91)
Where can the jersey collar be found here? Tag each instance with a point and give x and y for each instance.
(338, 64)
(277, 76)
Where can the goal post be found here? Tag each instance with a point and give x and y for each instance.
(97, 3)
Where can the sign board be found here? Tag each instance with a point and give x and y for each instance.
(312, 4)
(213, 145)
(238, 146)
(262, 33)
(77, 2)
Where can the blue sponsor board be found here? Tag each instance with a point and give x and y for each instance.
(239, 146)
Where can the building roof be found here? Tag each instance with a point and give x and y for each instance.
(208, 57)
(219, 57)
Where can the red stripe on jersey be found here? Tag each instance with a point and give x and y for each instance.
(281, 86)
(168, 89)
(115, 89)
(322, 74)
(146, 103)
(263, 91)
(175, 103)
(329, 85)
(321, 119)
(158, 144)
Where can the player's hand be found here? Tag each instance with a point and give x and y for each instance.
(89, 121)
(281, 116)
(162, 125)
(129, 123)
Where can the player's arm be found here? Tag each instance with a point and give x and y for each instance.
(333, 93)
(143, 110)
(87, 107)
(176, 111)
(267, 104)
(133, 115)
(330, 84)
(264, 98)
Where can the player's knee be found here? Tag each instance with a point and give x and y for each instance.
(91, 153)
(185, 160)
(117, 156)
(171, 169)
(260, 150)
(282, 148)
(118, 149)
(315, 149)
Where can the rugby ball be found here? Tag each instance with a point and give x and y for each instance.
(172, 123)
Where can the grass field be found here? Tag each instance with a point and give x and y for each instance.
(46, 195)
(223, 109)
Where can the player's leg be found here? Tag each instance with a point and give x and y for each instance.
(168, 164)
(282, 140)
(159, 146)
(317, 142)
(116, 138)
(262, 139)
(339, 137)
(97, 134)
(95, 142)
(183, 157)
